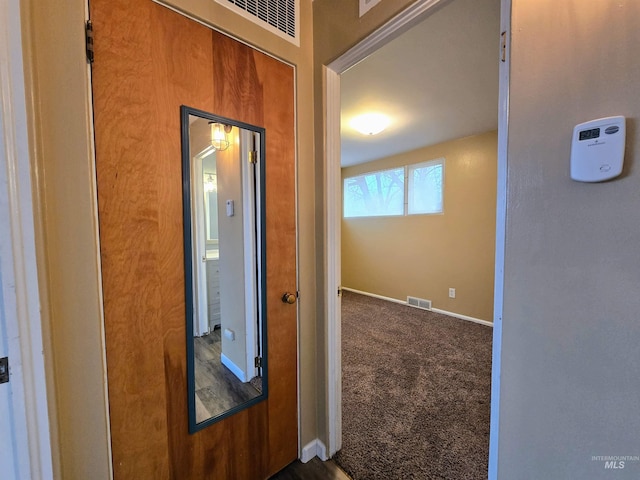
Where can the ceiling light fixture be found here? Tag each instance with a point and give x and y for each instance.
(219, 139)
(370, 123)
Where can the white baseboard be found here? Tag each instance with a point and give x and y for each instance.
(237, 371)
(375, 295)
(312, 449)
(463, 317)
(436, 310)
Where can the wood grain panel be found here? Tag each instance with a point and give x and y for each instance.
(267, 85)
(129, 238)
(149, 61)
(281, 233)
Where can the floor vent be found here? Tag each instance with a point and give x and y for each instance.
(277, 16)
(419, 303)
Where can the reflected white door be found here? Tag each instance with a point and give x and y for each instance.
(12, 424)
(25, 451)
(199, 214)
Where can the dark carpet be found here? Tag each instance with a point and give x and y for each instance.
(416, 393)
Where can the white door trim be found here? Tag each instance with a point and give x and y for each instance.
(501, 231)
(333, 202)
(21, 305)
(332, 188)
(201, 316)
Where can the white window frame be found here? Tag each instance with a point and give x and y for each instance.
(374, 172)
(408, 186)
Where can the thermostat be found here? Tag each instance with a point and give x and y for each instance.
(597, 149)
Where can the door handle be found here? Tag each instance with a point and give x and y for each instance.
(289, 298)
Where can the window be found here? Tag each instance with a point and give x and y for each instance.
(375, 194)
(425, 187)
(411, 190)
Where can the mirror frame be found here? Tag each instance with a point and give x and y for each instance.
(185, 112)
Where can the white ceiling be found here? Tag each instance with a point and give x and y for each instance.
(436, 82)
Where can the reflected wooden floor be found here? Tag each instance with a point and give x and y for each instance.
(217, 389)
(314, 469)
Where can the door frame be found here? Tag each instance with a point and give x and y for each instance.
(20, 306)
(399, 24)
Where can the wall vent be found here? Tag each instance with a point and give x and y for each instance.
(277, 16)
(419, 303)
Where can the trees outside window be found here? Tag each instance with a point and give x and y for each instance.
(414, 189)
(375, 194)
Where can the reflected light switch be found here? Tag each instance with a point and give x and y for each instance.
(230, 334)
(229, 208)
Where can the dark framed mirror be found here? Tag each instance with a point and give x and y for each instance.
(225, 265)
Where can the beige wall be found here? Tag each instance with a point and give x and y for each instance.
(233, 312)
(336, 28)
(424, 255)
(61, 147)
(66, 234)
(570, 383)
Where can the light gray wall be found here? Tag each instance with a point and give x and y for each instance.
(570, 386)
(231, 233)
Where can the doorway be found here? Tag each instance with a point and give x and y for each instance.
(403, 22)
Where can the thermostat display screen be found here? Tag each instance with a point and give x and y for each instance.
(589, 134)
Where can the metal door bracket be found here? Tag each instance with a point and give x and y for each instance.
(4, 369)
(88, 34)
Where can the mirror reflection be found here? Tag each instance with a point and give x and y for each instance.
(224, 265)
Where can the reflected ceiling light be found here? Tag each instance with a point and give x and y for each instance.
(219, 138)
(370, 123)
(211, 183)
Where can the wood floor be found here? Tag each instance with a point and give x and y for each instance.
(212, 378)
(217, 389)
(314, 469)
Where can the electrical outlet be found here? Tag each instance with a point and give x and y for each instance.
(452, 293)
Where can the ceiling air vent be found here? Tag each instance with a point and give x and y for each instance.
(277, 16)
